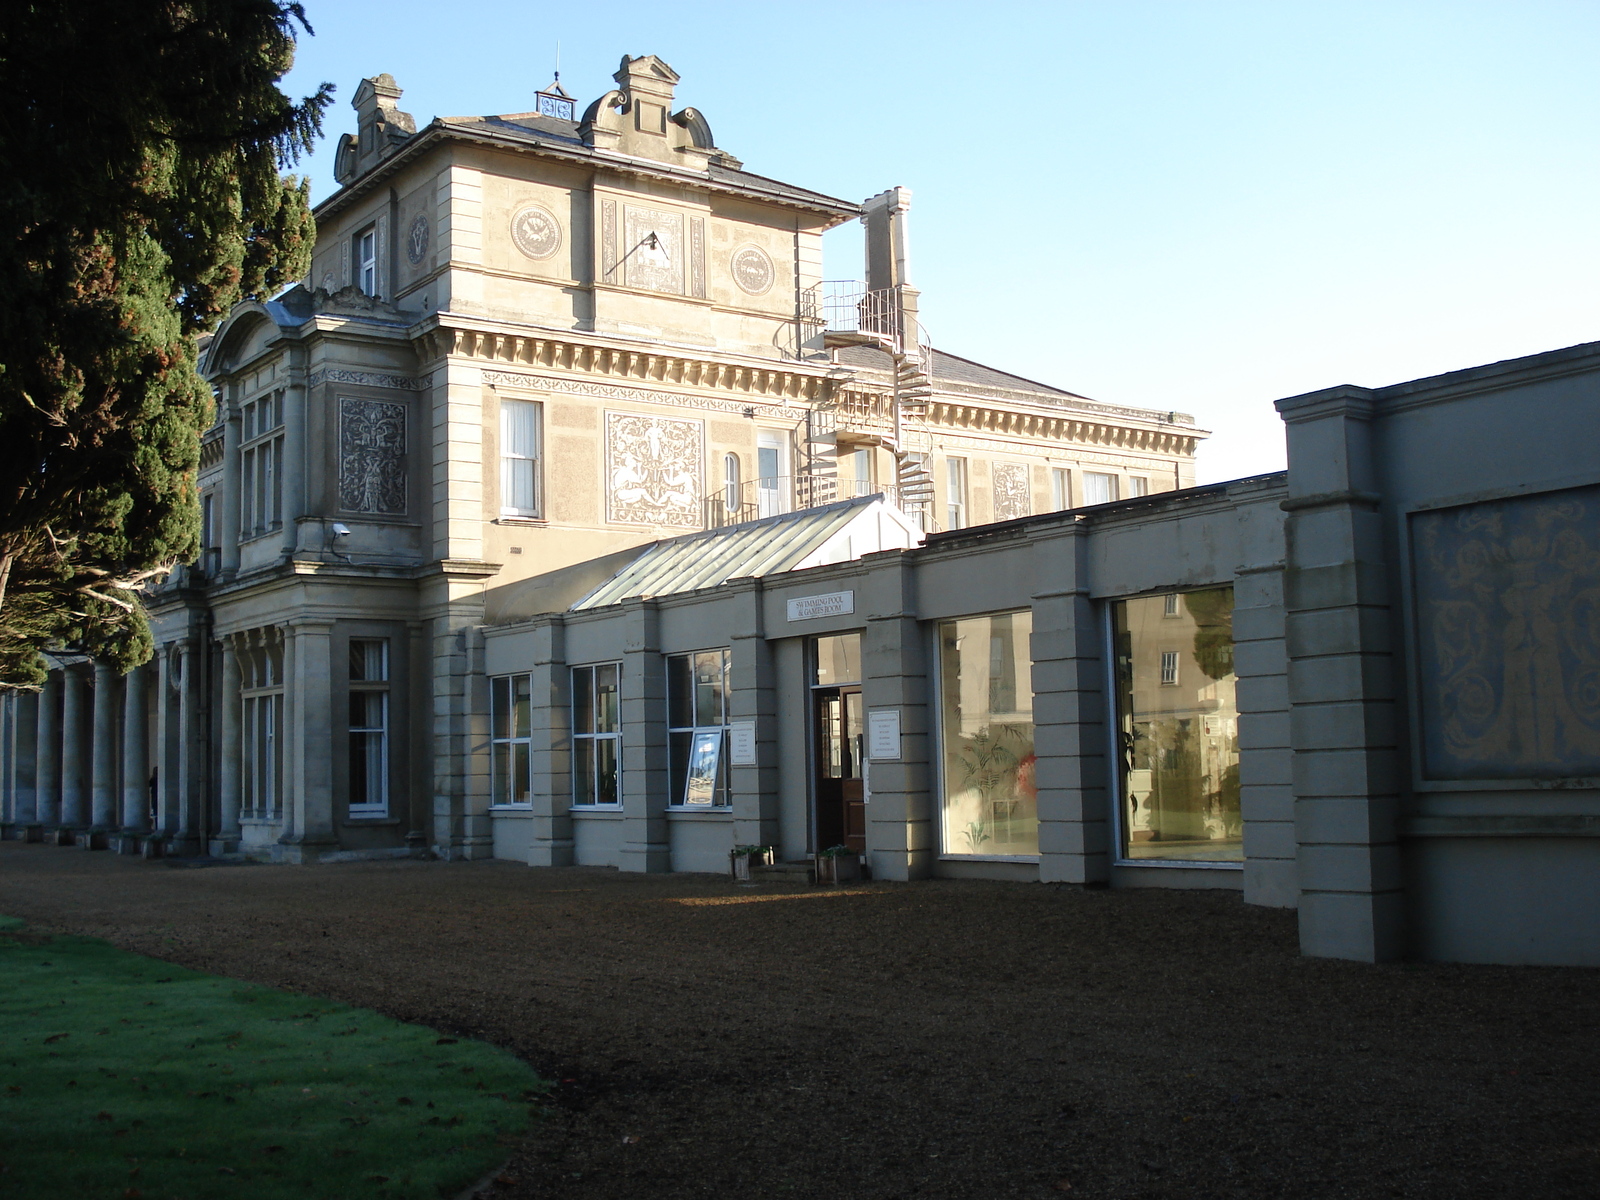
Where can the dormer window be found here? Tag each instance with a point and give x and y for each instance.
(367, 260)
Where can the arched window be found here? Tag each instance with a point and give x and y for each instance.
(730, 482)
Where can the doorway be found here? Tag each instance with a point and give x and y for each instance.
(838, 733)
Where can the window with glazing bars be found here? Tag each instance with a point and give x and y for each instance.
(261, 464)
(519, 458)
(369, 727)
(697, 728)
(510, 718)
(596, 734)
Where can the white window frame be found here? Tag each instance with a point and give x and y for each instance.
(1138, 485)
(503, 692)
(1112, 491)
(955, 492)
(261, 464)
(1060, 488)
(511, 460)
(372, 808)
(1169, 668)
(611, 735)
(772, 492)
(261, 724)
(731, 483)
(366, 255)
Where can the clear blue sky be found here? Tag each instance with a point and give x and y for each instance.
(1199, 205)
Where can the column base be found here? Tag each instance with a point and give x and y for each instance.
(223, 847)
(651, 857)
(153, 846)
(62, 835)
(26, 831)
(94, 839)
(182, 845)
(127, 841)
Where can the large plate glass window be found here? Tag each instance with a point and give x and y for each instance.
(697, 728)
(1178, 727)
(990, 803)
(369, 727)
(596, 734)
(510, 721)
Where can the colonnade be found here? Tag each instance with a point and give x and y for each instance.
(103, 760)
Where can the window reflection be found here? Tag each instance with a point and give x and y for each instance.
(986, 703)
(1178, 727)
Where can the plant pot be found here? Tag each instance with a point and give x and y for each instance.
(838, 868)
(744, 864)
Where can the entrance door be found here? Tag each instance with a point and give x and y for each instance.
(838, 734)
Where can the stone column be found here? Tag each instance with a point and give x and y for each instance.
(135, 754)
(1072, 715)
(191, 757)
(1342, 721)
(103, 814)
(645, 844)
(308, 783)
(75, 749)
(47, 791)
(754, 698)
(229, 782)
(167, 774)
(902, 840)
(24, 757)
(551, 745)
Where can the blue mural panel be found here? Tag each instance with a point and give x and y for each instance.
(1507, 598)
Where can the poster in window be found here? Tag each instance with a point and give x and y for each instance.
(701, 787)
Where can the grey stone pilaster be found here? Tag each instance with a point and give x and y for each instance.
(24, 757)
(294, 450)
(228, 781)
(1266, 776)
(191, 751)
(47, 752)
(103, 814)
(1342, 709)
(308, 823)
(167, 742)
(1073, 714)
(754, 697)
(902, 838)
(136, 751)
(76, 747)
(645, 844)
(550, 743)
(231, 483)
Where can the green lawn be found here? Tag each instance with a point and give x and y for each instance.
(123, 1076)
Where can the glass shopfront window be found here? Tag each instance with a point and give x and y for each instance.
(596, 735)
(1178, 728)
(697, 728)
(990, 798)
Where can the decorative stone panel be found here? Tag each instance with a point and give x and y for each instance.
(654, 468)
(656, 267)
(1012, 497)
(1507, 600)
(372, 456)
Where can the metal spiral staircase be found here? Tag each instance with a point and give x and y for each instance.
(854, 316)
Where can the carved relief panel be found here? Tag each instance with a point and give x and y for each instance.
(372, 456)
(1011, 494)
(654, 466)
(1507, 598)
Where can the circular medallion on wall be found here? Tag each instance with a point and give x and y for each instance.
(417, 239)
(536, 231)
(752, 270)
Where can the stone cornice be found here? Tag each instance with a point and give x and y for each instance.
(772, 382)
(869, 412)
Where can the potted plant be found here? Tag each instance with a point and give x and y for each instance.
(743, 858)
(838, 864)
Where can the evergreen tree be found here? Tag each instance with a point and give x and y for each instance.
(140, 149)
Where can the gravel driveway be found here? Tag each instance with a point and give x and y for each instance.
(946, 1039)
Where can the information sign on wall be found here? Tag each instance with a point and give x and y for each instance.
(742, 743)
(829, 604)
(883, 734)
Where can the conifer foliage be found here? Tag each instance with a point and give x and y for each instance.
(140, 198)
